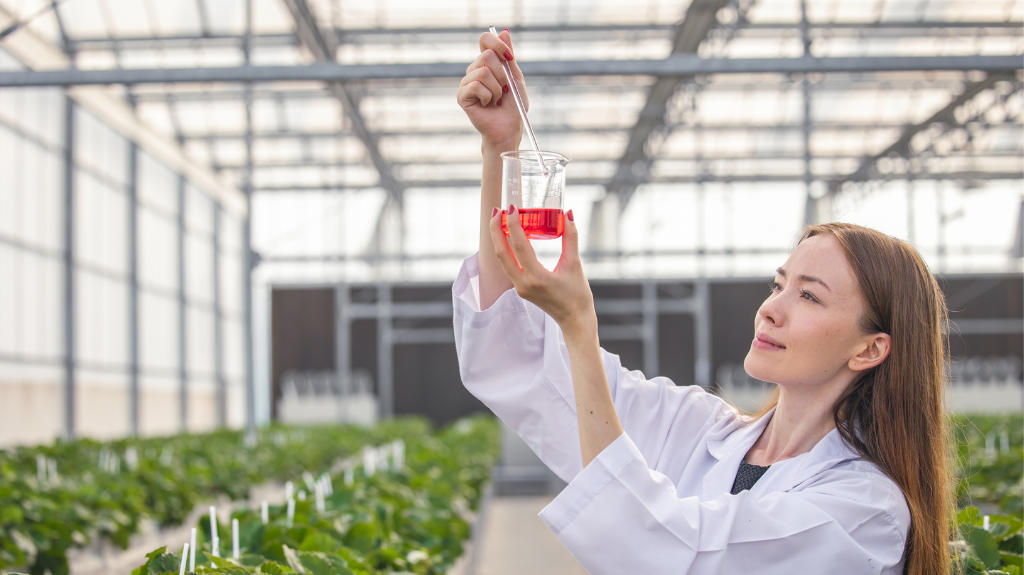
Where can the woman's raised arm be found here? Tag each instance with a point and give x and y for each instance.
(481, 95)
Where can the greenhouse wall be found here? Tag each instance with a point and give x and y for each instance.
(161, 313)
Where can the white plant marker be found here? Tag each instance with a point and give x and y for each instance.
(302, 495)
(307, 477)
(320, 497)
(349, 477)
(131, 457)
(289, 489)
(265, 512)
(192, 553)
(369, 461)
(51, 464)
(1004, 442)
(213, 522)
(184, 556)
(216, 551)
(40, 467)
(234, 538)
(990, 446)
(398, 450)
(326, 478)
(985, 523)
(291, 512)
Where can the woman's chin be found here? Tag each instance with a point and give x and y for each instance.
(755, 368)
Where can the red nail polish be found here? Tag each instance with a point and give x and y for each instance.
(504, 89)
(506, 30)
(508, 55)
(569, 215)
(511, 208)
(494, 212)
(499, 101)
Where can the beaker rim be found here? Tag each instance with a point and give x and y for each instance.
(546, 155)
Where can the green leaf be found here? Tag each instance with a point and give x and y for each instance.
(1011, 559)
(967, 515)
(319, 541)
(1013, 524)
(272, 568)
(1014, 544)
(362, 537)
(982, 544)
(317, 563)
(293, 559)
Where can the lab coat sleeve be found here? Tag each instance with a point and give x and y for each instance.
(619, 516)
(512, 357)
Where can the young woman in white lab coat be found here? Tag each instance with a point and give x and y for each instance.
(843, 471)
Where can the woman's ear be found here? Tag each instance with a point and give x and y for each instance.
(876, 349)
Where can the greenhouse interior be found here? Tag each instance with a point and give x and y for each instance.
(229, 232)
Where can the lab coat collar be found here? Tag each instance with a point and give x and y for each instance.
(730, 445)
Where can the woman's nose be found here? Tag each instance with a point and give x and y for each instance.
(771, 311)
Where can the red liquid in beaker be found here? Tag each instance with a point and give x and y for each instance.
(539, 224)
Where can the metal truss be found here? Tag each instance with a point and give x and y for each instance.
(673, 66)
(364, 36)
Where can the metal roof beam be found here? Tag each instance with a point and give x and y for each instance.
(902, 144)
(699, 20)
(705, 178)
(597, 130)
(566, 32)
(675, 65)
(324, 48)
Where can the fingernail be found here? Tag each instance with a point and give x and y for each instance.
(499, 101)
(504, 89)
(506, 30)
(508, 55)
(511, 208)
(569, 215)
(494, 212)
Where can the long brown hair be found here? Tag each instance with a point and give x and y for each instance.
(893, 414)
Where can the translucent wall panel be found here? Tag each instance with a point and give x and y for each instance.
(101, 320)
(37, 112)
(30, 184)
(198, 210)
(231, 284)
(157, 250)
(30, 304)
(234, 359)
(99, 148)
(158, 333)
(101, 224)
(159, 405)
(157, 184)
(199, 268)
(200, 343)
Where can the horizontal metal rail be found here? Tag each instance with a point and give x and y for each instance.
(675, 65)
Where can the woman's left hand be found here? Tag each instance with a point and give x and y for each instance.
(564, 293)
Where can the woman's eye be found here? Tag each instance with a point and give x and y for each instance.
(774, 286)
(808, 296)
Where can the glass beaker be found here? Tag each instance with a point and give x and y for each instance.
(535, 189)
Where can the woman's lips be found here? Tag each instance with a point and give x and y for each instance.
(762, 341)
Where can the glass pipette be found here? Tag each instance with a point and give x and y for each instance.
(521, 106)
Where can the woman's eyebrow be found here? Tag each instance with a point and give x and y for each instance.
(805, 278)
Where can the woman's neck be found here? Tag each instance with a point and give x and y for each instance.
(802, 418)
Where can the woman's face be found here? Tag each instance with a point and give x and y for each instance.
(808, 329)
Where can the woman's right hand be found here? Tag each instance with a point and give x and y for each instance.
(485, 94)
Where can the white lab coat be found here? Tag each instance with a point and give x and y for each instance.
(656, 501)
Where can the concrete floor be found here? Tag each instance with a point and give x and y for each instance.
(514, 541)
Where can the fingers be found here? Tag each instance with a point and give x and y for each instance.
(520, 245)
(480, 84)
(570, 239)
(472, 93)
(506, 38)
(497, 44)
(506, 258)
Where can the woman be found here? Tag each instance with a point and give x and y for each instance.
(844, 470)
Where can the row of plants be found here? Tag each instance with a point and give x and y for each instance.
(75, 493)
(990, 474)
(409, 520)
